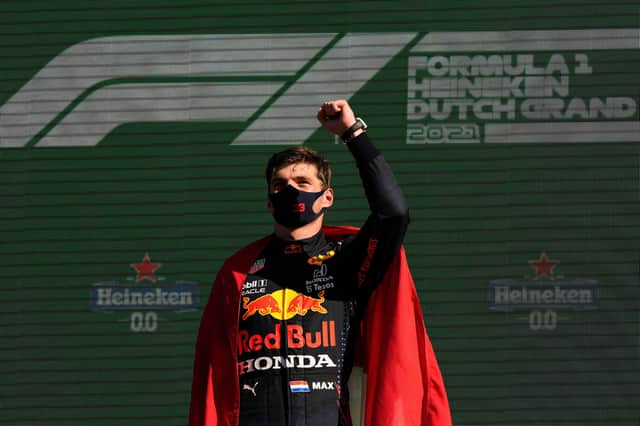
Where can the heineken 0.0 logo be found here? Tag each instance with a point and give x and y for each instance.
(142, 298)
(543, 294)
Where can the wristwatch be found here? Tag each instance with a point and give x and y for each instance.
(359, 124)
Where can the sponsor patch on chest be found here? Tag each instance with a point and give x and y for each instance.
(257, 266)
(321, 280)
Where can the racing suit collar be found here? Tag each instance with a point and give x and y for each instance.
(311, 246)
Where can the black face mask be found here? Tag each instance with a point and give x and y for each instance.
(293, 208)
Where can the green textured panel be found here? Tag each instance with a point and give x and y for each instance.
(163, 178)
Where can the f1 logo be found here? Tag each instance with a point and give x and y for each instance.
(96, 85)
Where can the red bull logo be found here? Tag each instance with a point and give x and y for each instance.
(302, 304)
(263, 305)
(283, 304)
(297, 337)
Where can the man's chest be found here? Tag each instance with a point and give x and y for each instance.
(291, 307)
(296, 274)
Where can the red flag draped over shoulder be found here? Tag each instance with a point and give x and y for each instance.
(404, 385)
(215, 390)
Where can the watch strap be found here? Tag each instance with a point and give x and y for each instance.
(348, 134)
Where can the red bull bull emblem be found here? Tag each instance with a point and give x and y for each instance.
(264, 305)
(283, 304)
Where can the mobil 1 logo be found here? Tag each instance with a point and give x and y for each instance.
(143, 294)
(543, 295)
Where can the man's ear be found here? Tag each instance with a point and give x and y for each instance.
(327, 198)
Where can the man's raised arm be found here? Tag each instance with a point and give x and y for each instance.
(381, 236)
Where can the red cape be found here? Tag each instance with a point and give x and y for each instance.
(404, 385)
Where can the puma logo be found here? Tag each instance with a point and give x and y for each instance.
(250, 388)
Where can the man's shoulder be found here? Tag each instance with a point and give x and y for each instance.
(337, 233)
(247, 253)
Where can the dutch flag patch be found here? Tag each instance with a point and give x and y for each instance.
(299, 386)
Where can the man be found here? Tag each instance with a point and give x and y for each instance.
(290, 314)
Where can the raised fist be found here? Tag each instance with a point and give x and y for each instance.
(336, 116)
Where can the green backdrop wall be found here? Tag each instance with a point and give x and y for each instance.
(133, 136)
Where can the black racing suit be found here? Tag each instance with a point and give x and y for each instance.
(301, 306)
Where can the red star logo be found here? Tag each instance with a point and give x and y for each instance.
(543, 266)
(145, 269)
